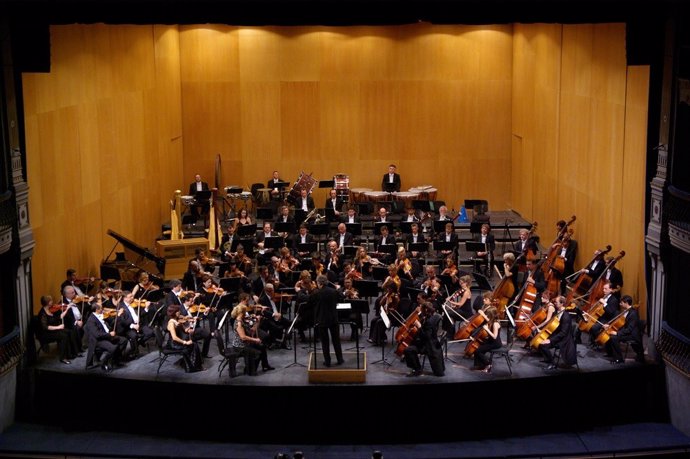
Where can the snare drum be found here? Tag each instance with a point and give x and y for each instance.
(407, 197)
(358, 194)
(187, 200)
(376, 196)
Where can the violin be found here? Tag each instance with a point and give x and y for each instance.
(109, 312)
(198, 309)
(55, 308)
(215, 290)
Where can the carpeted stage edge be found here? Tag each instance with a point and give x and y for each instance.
(355, 414)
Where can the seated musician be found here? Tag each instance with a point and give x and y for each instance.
(265, 253)
(173, 296)
(385, 305)
(535, 276)
(334, 202)
(414, 237)
(443, 214)
(542, 301)
(483, 259)
(274, 323)
(284, 215)
(449, 236)
(101, 337)
(382, 216)
(493, 341)
(562, 337)
(596, 267)
(629, 333)
(568, 253)
(355, 317)
(426, 342)
(180, 328)
(302, 237)
(333, 259)
(306, 202)
(407, 269)
(130, 325)
(615, 277)
(209, 295)
(194, 187)
(242, 260)
(510, 269)
(247, 338)
(458, 306)
(343, 238)
(363, 262)
(243, 218)
(385, 238)
(411, 215)
(227, 242)
(199, 333)
(351, 216)
(303, 289)
(105, 294)
(430, 285)
(52, 322)
(234, 270)
(349, 272)
(451, 270)
(144, 287)
(207, 263)
(81, 285)
(276, 277)
(611, 305)
(76, 306)
(287, 262)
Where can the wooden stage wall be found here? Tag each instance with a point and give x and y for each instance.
(544, 119)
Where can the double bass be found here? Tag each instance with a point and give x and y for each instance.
(596, 291)
(583, 283)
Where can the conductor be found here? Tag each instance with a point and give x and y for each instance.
(324, 303)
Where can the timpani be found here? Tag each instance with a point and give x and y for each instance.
(377, 196)
(431, 193)
(358, 194)
(426, 193)
(406, 197)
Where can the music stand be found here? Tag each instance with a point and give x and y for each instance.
(424, 206)
(285, 227)
(367, 289)
(354, 228)
(473, 247)
(476, 226)
(307, 247)
(418, 247)
(390, 249)
(274, 242)
(411, 292)
(482, 282)
(350, 251)
(326, 183)
(293, 330)
(443, 245)
(202, 196)
(330, 214)
(246, 230)
(440, 225)
(230, 284)
(406, 227)
(319, 229)
(264, 213)
(446, 280)
(379, 273)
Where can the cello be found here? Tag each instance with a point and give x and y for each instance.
(614, 325)
(471, 325)
(546, 331)
(502, 293)
(524, 329)
(477, 337)
(407, 331)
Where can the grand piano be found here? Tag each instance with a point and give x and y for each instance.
(126, 265)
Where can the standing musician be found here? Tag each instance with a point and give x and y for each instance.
(324, 301)
(484, 259)
(350, 293)
(458, 306)
(596, 267)
(52, 322)
(568, 253)
(273, 321)
(180, 329)
(562, 337)
(194, 187)
(384, 305)
(391, 181)
(426, 342)
(247, 337)
(275, 184)
(101, 337)
(304, 287)
(535, 276)
(493, 341)
(335, 203)
(629, 333)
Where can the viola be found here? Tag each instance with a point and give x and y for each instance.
(469, 327)
(545, 332)
(407, 331)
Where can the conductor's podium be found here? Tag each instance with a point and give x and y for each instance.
(177, 254)
(353, 370)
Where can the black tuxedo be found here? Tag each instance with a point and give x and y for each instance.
(310, 203)
(338, 204)
(344, 219)
(193, 190)
(348, 239)
(194, 209)
(324, 302)
(100, 340)
(562, 338)
(396, 182)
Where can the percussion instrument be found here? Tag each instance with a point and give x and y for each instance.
(304, 181)
(376, 196)
(358, 194)
(233, 191)
(265, 196)
(245, 195)
(406, 196)
(426, 192)
(188, 200)
(342, 186)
